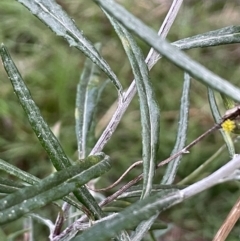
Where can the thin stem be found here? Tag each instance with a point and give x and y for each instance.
(153, 55)
(60, 219)
(193, 143)
(121, 190)
(119, 179)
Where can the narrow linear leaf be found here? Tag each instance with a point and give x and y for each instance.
(213, 106)
(226, 35)
(50, 13)
(51, 188)
(15, 235)
(22, 175)
(217, 117)
(9, 186)
(51, 181)
(148, 108)
(39, 126)
(150, 115)
(38, 201)
(146, 208)
(11, 183)
(43, 132)
(228, 102)
(44, 221)
(7, 189)
(29, 178)
(86, 100)
(136, 190)
(130, 217)
(172, 168)
(167, 50)
(80, 109)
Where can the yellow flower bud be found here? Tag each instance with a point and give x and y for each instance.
(228, 125)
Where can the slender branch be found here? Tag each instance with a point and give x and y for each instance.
(121, 190)
(215, 178)
(119, 179)
(153, 55)
(60, 219)
(189, 146)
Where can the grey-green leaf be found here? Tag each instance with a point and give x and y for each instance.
(172, 168)
(51, 13)
(9, 186)
(42, 130)
(29, 178)
(130, 217)
(217, 117)
(226, 35)
(39, 126)
(170, 52)
(86, 101)
(150, 114)
(22, 175)
(52, 188)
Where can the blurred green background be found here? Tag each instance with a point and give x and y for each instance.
(51, 70)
